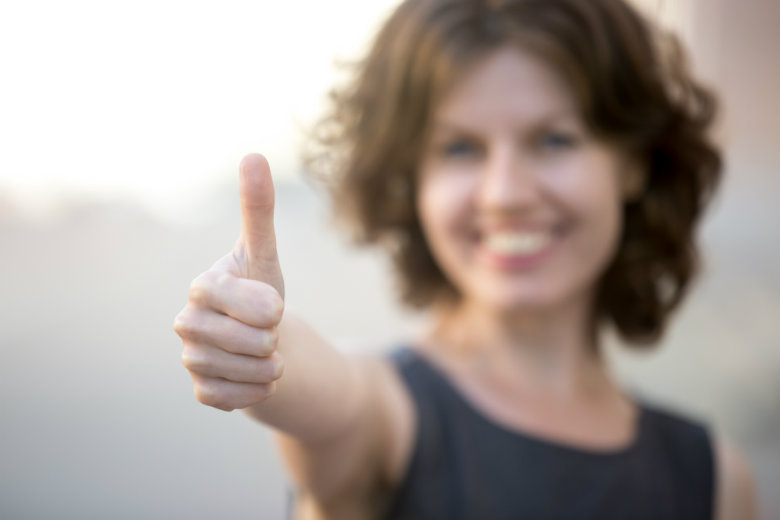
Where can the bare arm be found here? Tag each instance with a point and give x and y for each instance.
(350, 472)
(322, 391)
(735, 489)
(334, 412)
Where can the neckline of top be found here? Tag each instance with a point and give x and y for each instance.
(639, 426)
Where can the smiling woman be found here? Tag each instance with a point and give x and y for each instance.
(537, 169)
(652, 121)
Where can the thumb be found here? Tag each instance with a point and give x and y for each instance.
(256, 247)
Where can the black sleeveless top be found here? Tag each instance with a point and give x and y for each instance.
(466, 467)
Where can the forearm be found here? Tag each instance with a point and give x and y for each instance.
(325, 410)
(319, 393)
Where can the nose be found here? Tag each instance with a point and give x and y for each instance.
(508, 182)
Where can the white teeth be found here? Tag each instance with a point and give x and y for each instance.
(517, 243)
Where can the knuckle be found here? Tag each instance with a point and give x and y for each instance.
(271, 302)
(210, 396)
(203, 395)
(193, 358)
(179, 323)
(222, 279)
(267, 343)
(277, 366)
(185, 324)
(269, 389)
(267, 370)
(273, 340)
(261, 392)
(199, 289)
(273, 337)
(276, 306)
(206, 284)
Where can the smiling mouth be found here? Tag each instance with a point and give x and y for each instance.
(510, 243)
(517, 242)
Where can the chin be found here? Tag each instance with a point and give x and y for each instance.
(514, 303)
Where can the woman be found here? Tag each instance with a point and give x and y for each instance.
(536, 168)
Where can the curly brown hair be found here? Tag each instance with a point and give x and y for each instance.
(633, 87)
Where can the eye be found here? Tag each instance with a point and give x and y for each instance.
(459, 148)
(556, 141)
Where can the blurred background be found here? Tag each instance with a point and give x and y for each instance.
(121, 128)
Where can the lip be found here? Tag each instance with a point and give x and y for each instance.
(519, 262)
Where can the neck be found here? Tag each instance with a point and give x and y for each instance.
(553, 352)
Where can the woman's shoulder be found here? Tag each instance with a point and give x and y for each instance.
(690, 441)
(412, 371)
(394, 398)
(673, 426)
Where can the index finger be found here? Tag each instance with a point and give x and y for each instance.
(252, 302)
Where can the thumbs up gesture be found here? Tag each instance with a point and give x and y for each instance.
(229, 325)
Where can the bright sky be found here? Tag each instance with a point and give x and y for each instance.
(155, 100)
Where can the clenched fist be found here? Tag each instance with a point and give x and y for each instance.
(228, 326)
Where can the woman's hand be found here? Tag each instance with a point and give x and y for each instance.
(229, 325)
(339, 417)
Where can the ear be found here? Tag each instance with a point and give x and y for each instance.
(633, 181)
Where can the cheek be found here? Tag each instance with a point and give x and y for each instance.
(443, 203)
(588, 189)
(606, 203)
(603, 219)
(587, 183)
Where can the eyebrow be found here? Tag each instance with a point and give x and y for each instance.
(443, 125)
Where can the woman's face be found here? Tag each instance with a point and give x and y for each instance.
(520, 205)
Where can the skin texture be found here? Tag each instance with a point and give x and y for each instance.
(508, 152)
(502, 161)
